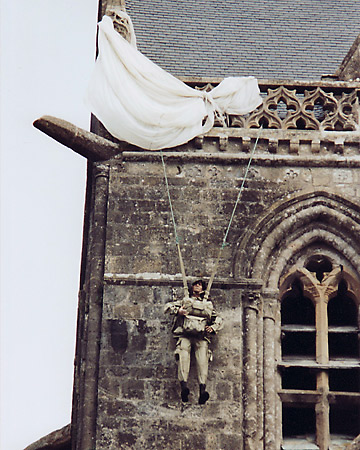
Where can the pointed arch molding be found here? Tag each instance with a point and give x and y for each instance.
(315, 221)
(329, 285)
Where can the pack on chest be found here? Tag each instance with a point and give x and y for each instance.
(199, 315)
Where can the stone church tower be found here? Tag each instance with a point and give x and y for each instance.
(285, 372)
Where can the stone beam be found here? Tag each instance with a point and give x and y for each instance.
(87, 144)
(59, 439)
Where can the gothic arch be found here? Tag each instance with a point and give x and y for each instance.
(312, 222)
(329, 284)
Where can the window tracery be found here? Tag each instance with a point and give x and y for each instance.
(300, 107)
(320, 365)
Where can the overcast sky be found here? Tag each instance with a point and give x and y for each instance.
(47, 53)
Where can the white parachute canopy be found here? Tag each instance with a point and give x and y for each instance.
(140, 103)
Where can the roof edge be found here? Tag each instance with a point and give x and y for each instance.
(278, 82)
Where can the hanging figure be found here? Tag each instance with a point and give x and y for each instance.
(195, 321)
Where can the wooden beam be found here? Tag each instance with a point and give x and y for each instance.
(336, 364)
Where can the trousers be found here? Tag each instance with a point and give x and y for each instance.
(183, 352)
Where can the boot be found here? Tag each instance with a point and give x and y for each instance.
(204, 396)
(184, 391)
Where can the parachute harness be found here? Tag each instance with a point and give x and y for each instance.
(224, 243)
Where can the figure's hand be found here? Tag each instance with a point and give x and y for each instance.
(182, 311)
(209, 329)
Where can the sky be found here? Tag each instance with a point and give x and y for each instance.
(47, 53)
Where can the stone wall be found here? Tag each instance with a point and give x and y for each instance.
(138, 391)
(139, 405)
(300, 198)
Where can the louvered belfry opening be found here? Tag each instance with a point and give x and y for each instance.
(320, 369)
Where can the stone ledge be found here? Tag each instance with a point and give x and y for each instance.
(258, 160)
(157, 279)
(278, 82)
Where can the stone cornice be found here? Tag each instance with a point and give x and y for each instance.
(241, 158)
(280, 82)
(155, 279)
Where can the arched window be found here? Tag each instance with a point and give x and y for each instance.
(320, 365)
(298, 323)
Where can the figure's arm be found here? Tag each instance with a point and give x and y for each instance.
(176, 308)
(182, 311)
(172, 307)
(216, 323)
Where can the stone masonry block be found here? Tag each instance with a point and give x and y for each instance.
(230, 442)
(133, 389)
(193, 440)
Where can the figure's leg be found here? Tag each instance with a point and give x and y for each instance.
(202, 364)
(182, 352)
(202, 359)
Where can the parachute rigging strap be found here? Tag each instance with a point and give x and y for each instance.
(224, 243)
(182, 267)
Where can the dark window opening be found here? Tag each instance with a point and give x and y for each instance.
(344, 345)
(344, 420)
(264, 122)
(297, 309)
(346, 380)
(301, 124)
(298, 421)
(319, 265)
(338, 126)
(298, 344)
(342, 310)
(298, 378)
(299, 326)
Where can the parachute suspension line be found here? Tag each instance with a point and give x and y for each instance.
(224, 243)
(182, 267)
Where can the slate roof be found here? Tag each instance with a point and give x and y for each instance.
(280, 39)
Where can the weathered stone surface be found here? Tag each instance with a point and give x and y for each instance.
(300, 196)
(350, 67)
(57, 440)
(355, 445)
(87, 144)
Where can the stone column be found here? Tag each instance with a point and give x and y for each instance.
(322, 379)
(260, 374)
(86, 434)
(251, 309)
(270, 303)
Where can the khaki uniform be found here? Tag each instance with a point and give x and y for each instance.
(189, 332)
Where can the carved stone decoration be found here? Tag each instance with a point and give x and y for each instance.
(267, 113)
(120, 21)
(289, 228)
(246, 142)
(317, 108)
(107, 4)
(327, 102)
(88, 144)
(237, 121)
(346, 116)
(273, 146)
(207, 88)
(223, 143)
(315, 146)
(251, 300)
